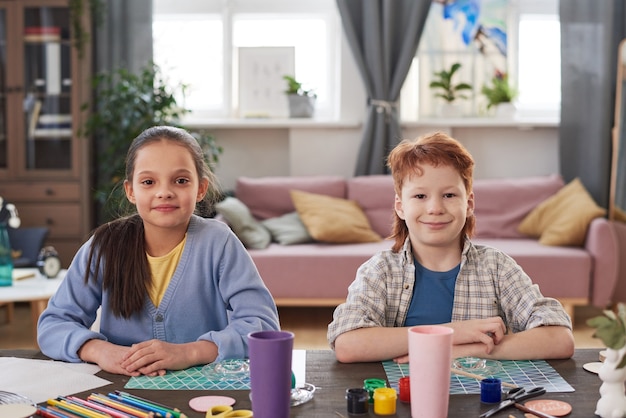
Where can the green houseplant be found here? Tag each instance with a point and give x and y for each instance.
(301, 100)
(445, 86)
(295, 87)
(125, 104)
(80, 30)
(499, 91)
(610, 328)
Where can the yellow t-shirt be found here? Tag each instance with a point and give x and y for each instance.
(162, 269)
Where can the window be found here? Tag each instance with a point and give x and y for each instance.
(196, 43)
(539, 64)
(202, 71)
(533, 32)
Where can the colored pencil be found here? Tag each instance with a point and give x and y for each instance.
(44, 413)
(76, 409)
(81, 403)
(106, 401)
(49, 413)
(151, 402)
(62, 413)
(63, 409)
(164, 410)
(24, 276)
(115, 413)
(140, 404)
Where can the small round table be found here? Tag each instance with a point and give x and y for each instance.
(29, 285)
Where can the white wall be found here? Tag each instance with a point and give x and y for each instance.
(512, 151)
(499, 151)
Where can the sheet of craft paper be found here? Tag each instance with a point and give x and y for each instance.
(40, 380)
(194, 379)
(524, 373)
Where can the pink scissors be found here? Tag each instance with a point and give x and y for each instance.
(224, 411)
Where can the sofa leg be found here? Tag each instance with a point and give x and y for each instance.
(569, 304)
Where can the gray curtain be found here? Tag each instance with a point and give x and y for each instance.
(383, 36)
(590, 33)
(123, 39)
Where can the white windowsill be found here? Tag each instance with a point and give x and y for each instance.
(487, 122)
(271, 123)
(305, 123)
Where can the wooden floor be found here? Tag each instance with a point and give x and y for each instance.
(308, 324)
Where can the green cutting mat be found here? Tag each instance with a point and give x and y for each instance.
(524, 373)
(188, 379)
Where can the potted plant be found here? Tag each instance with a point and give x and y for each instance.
(500, 94)
(611, 329)
(125, 104)
(448, 90)
(301, 101)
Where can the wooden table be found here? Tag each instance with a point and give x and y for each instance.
(36, 289)
(333, 378)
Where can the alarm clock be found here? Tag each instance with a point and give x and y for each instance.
(48, 262)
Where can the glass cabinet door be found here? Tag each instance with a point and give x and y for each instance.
(47, 102)
(3, 89)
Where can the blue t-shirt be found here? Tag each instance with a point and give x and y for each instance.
(433, 296)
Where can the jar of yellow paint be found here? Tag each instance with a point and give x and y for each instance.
(385, 401)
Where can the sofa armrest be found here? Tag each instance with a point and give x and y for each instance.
(619, 290)
(602, 243)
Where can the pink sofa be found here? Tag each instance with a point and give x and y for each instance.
(318, 274)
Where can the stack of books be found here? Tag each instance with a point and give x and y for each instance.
(51, 37)
(53, 125)
(42, 34)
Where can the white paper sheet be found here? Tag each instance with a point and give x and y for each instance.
(298, 366)
(40, 380)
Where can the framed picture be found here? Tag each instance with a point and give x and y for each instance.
(261, 84)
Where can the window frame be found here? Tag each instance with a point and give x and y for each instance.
(229, 11)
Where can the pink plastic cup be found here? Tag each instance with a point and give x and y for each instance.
(430, 351)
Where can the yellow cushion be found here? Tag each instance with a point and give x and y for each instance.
(563, 219)
(331, 219)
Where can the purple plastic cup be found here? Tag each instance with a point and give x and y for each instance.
(270, 354)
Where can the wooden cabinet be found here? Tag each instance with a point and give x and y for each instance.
(44, 81)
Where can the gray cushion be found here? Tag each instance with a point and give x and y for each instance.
(251, 233)
(287, 229)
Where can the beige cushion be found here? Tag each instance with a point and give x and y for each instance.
(563, 219)
(251, 233)
(332, 219)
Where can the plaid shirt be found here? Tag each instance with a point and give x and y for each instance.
(490, 283)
